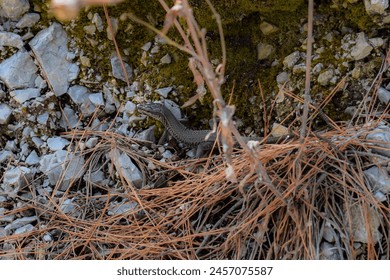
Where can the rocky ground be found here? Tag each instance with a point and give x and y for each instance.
(50, 86)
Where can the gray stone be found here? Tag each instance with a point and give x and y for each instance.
(5, 113)
(96, 99)
(376, 6)
(147, 134)
(90, 29)
(9, 39)
(57, 143)
(22, 95)
(147, 46)
(28, 20)
(380, 140)
(21, 222)
(43, 118)
(166, 59)
(32, 158)
(121, 208)
(97, 20)
(117, 70)
(379, 179)
(14, 9)
(126, 168)
(16, 178)
(267, 28)
(114, 28)
(325, 77)
(329, 251)
(383, 95)
(11, 74)
(24, 229)
(164, 91)
(62, 168)
(362, 47)
(50, 47)
(69, 118)
(362, 220)
(91, 142)
(264, 51)
(78, 94)
(6, 156)
(282, 78)
(290, 60)
(130, 108)
(6, 218)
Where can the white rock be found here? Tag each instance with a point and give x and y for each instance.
(32, 158)
(57, 143)
(117, 70)
(5, 113)
(290, 60)
(28, 20)
(361, 222)
(126, 167)
(21, 222)
(11, 74)
(96, 99)
(325, 77)
(62, 167)
(379, 179)
(282, 78)
(14, 9)
(376, 6)
(69, 118)
(9, 39)
(121, 208)
(164, 91)
(362, 47)
(6, 156)
(92, 142)
(16, 178)
(50, 47)
(380, 140)
(383, 95)
(22, 95)
(264, 51)
(42, 119)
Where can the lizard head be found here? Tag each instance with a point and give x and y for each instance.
(152, 109)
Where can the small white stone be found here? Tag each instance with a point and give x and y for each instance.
(32, 158)
(96, 99)
(57, 143)
(22, 95)
(5, 113)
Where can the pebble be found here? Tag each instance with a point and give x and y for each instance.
(9, 39)
(290, 60)
(282, 78)
(383, 95)
(16, 177)
(376, 6)
(50, 47)
(97, 20)
(21, 222)
(379, 179)
(117, 70)
(22, 95)
(121, 208)
(362, 47)
(5, 113)
(268, 28)
(126, 167)
(14, 9)
(325, 77)
(10, 72)
(69, 118)
(91, 142)
(28, 20)
(32, 158)
(96, 99)
(166, 59)
(264, 51)
(362, 220)
(62, 168)
(42, 118)
(90, 29)
(114, 28)
(380, 138)
(164, 91)
(57, 143)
